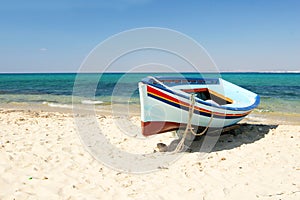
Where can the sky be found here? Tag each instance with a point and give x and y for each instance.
(239, 35)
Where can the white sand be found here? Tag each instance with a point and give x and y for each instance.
(41, 157)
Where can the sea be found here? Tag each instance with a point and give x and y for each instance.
(279, 92)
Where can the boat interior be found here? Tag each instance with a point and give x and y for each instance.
(208, 95)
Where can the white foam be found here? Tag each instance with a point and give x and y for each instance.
(57, 105)
(91, 102)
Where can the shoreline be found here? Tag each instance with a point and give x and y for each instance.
(134, 110)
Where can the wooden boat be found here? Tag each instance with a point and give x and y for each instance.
(166, 102)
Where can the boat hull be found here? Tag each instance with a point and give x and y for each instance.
(162, 111)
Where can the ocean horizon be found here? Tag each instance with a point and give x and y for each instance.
(123, 72)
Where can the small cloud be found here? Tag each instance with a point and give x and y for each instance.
(43, 49)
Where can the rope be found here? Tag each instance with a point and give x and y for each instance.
(189, 127)
(180, 145)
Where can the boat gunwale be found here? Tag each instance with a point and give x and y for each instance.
(247, 108)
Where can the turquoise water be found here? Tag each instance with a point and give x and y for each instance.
(280, 92)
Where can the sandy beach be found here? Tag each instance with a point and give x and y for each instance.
(41, 156)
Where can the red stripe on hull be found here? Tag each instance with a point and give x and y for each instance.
(177, 101)
(156, 127)
(161, 94)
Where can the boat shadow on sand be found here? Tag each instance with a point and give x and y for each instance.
(245, 134)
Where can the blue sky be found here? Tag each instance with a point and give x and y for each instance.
(240, 35)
